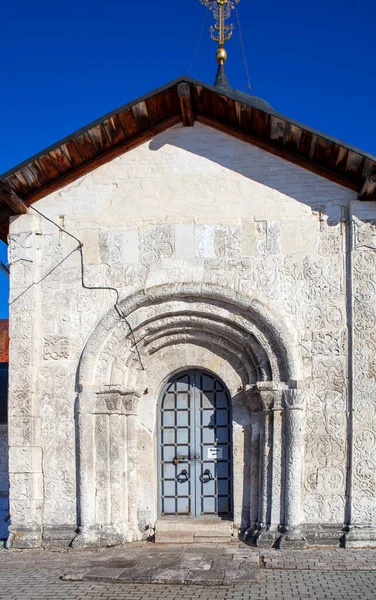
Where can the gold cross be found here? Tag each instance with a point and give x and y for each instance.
(221, 32)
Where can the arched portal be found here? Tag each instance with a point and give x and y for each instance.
(195, 447)
(133, 352)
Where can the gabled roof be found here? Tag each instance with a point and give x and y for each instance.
(183, 100)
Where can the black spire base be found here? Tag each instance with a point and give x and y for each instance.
(221, 80)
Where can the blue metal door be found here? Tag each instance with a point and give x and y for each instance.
(195, 451)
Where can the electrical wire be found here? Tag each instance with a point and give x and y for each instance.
(243, 51)
(86, 287)
(198, 40)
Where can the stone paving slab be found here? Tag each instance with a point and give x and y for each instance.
(201, 564)
(328, 559)
(35, 575)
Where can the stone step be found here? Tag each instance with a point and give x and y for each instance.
(194, 525)
(190, 531)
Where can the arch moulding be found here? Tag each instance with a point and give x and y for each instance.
(132, 351)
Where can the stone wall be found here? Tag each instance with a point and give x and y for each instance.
(4, 481)
(193, 206)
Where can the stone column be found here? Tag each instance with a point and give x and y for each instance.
(132, 472)
(256, 417)
(265, 449)
(277, 473)
(110, 517)
(266, 535)
(262, 396)
(293, 538)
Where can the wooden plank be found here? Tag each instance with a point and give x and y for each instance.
(323, 153)
(12, 182)
(223, 109)
(102, 159)
(141, 114)
(129, 123)
(368, 189)
(260, 122)
(305, 144)
(292, 137)
(114, 130)
(99, 138)
(171, 102)
(341, 158)
(277, 129)
(60, 160)
(12, 200)
(281, 152)
(46, 166)
(354, 163)
(197, 99)
(186, 105)
(85, 147)
(30, 175)
(72, 154)
(246, 118)
(163, 105)
(4, 227)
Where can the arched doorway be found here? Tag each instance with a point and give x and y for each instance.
(171, 329)
(195, 447)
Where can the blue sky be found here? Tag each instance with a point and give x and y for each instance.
(63, 65)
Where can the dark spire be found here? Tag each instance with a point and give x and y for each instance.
(221, 80)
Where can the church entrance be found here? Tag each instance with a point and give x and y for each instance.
(195, 447)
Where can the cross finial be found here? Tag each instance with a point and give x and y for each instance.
(221, 32)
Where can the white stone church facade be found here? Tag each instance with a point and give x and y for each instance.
(212, 357)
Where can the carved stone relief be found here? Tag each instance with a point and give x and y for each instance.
(364, 422)
(156, 244)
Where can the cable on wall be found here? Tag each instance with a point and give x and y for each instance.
(82, 269)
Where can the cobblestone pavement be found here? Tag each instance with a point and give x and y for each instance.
(290, 575)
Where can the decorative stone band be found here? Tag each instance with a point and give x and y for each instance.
(116, 400)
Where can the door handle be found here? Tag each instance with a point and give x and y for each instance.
(183, 476)
(206, 476)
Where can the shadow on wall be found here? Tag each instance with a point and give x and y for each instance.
(258, 165)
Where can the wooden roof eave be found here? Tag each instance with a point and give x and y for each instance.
(185, 100)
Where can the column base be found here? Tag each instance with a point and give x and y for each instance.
(58, 537)
(262, 537)
(22, 538)
(360, 537)
(108, 535)
(267, 538)
(293, 539)
(323, 535)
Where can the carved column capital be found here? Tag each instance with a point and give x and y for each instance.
(116, 400)
(294, 398)
(263, 395)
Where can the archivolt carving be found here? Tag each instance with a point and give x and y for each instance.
(242, 326)
(214, 328)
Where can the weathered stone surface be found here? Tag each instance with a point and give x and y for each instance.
(222, 258)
